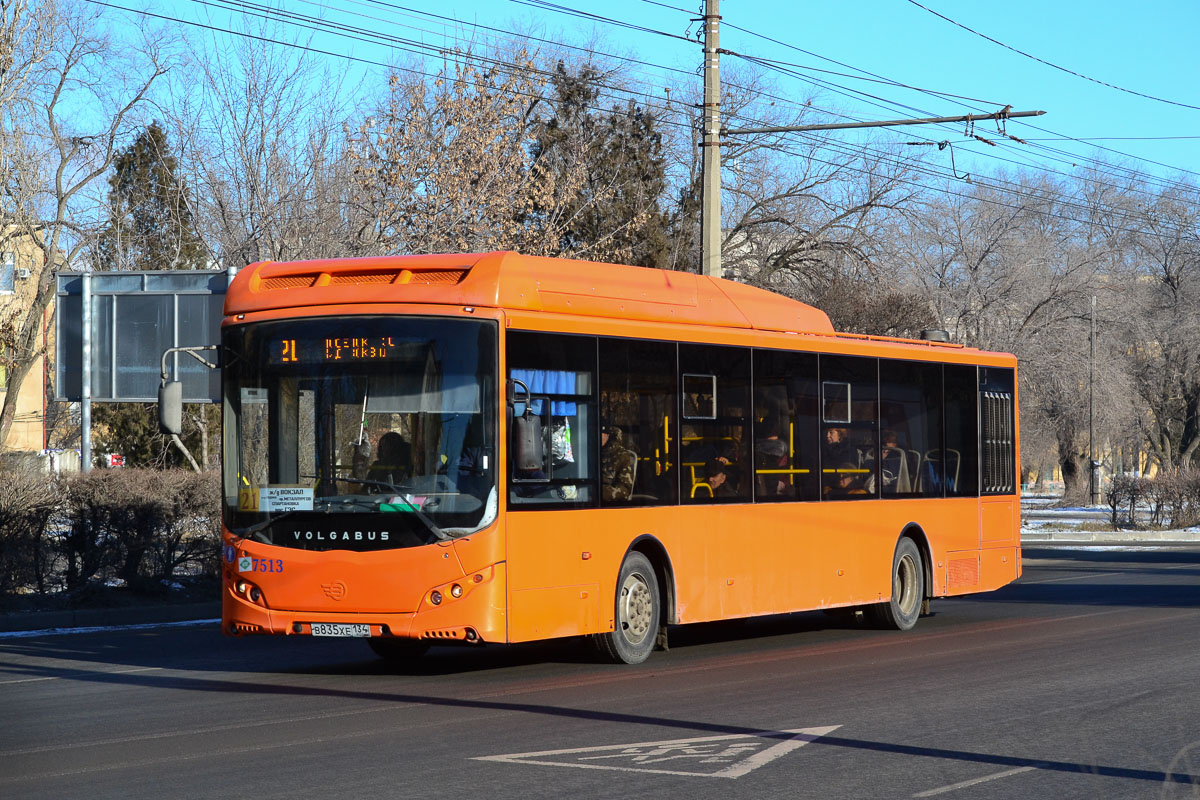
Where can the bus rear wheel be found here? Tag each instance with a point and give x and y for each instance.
(397, 651)
(637, 613)
(908, 589)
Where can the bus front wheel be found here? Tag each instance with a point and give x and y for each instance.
(908, 589)
(637, 613)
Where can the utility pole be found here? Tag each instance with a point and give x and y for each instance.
(85, 404)
(1093, 463)
(710, 144)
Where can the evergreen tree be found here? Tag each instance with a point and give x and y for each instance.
(616, 215)
(150, 227)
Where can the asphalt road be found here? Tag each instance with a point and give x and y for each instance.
(1080, 681)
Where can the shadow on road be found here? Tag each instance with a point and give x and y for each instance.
(1106, 554)
(1079, 578)
(683, 727)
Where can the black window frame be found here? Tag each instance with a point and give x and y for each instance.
(962, 411)
(554, 492)
(997, 431)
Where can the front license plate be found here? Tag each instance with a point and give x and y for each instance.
(340, 629)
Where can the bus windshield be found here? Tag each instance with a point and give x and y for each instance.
(360, 433)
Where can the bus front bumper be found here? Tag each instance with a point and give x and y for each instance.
(472, 613)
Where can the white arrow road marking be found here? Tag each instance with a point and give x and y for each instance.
(974, 782)
(736, 754)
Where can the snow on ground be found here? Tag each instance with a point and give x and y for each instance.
(1042, 521)
(144, 626)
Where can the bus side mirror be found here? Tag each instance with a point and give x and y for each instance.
(527, 442)
(170, 408)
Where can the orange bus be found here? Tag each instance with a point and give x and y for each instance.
(500, 448)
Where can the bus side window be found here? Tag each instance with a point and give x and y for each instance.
(638, 403)
(998, 430)
(553, 403)
(786, 400)
(961, 395)
(715, 415)
(849, 427)
(910, 414)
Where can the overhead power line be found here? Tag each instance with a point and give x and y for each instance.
(778, 66)
(665, 112)
(1028, 154)
(891, 123)
(1052, 65)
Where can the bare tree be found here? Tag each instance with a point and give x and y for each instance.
(442, 165)
(24, 46)
(259, 128)
(79, 97)
(1008, 267)
(1163, 335)
(803, 215)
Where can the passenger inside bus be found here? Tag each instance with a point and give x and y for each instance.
(618, 465)
(393, 461)
(837, 448)
(850, 479)
(893, 464)
(716, 475)
(771, 453)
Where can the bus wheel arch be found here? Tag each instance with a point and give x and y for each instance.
(654, 550)
(643, 601)
(907, 596)
(917, 534)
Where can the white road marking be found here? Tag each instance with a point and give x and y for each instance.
(964, 784)
(1075, 577)
(736, 754)
(75, 675)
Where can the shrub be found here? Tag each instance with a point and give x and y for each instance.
(145, 527)
(1124, 492)
(1178, 498)
(27, 504)
(141, 526)
(190, 541)
(1173, 499)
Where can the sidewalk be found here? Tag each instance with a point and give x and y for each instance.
(104, 617)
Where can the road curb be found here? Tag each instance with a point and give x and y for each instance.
(1112, 537)
(105, 617)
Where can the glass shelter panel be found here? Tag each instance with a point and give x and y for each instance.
(199, 315)
(102, 351)
(145, 328)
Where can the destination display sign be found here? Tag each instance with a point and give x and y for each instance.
(335, 348)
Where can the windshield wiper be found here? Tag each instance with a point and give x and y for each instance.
(409, 505)
(254, 531)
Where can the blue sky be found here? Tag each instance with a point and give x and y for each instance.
(1150, 49)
